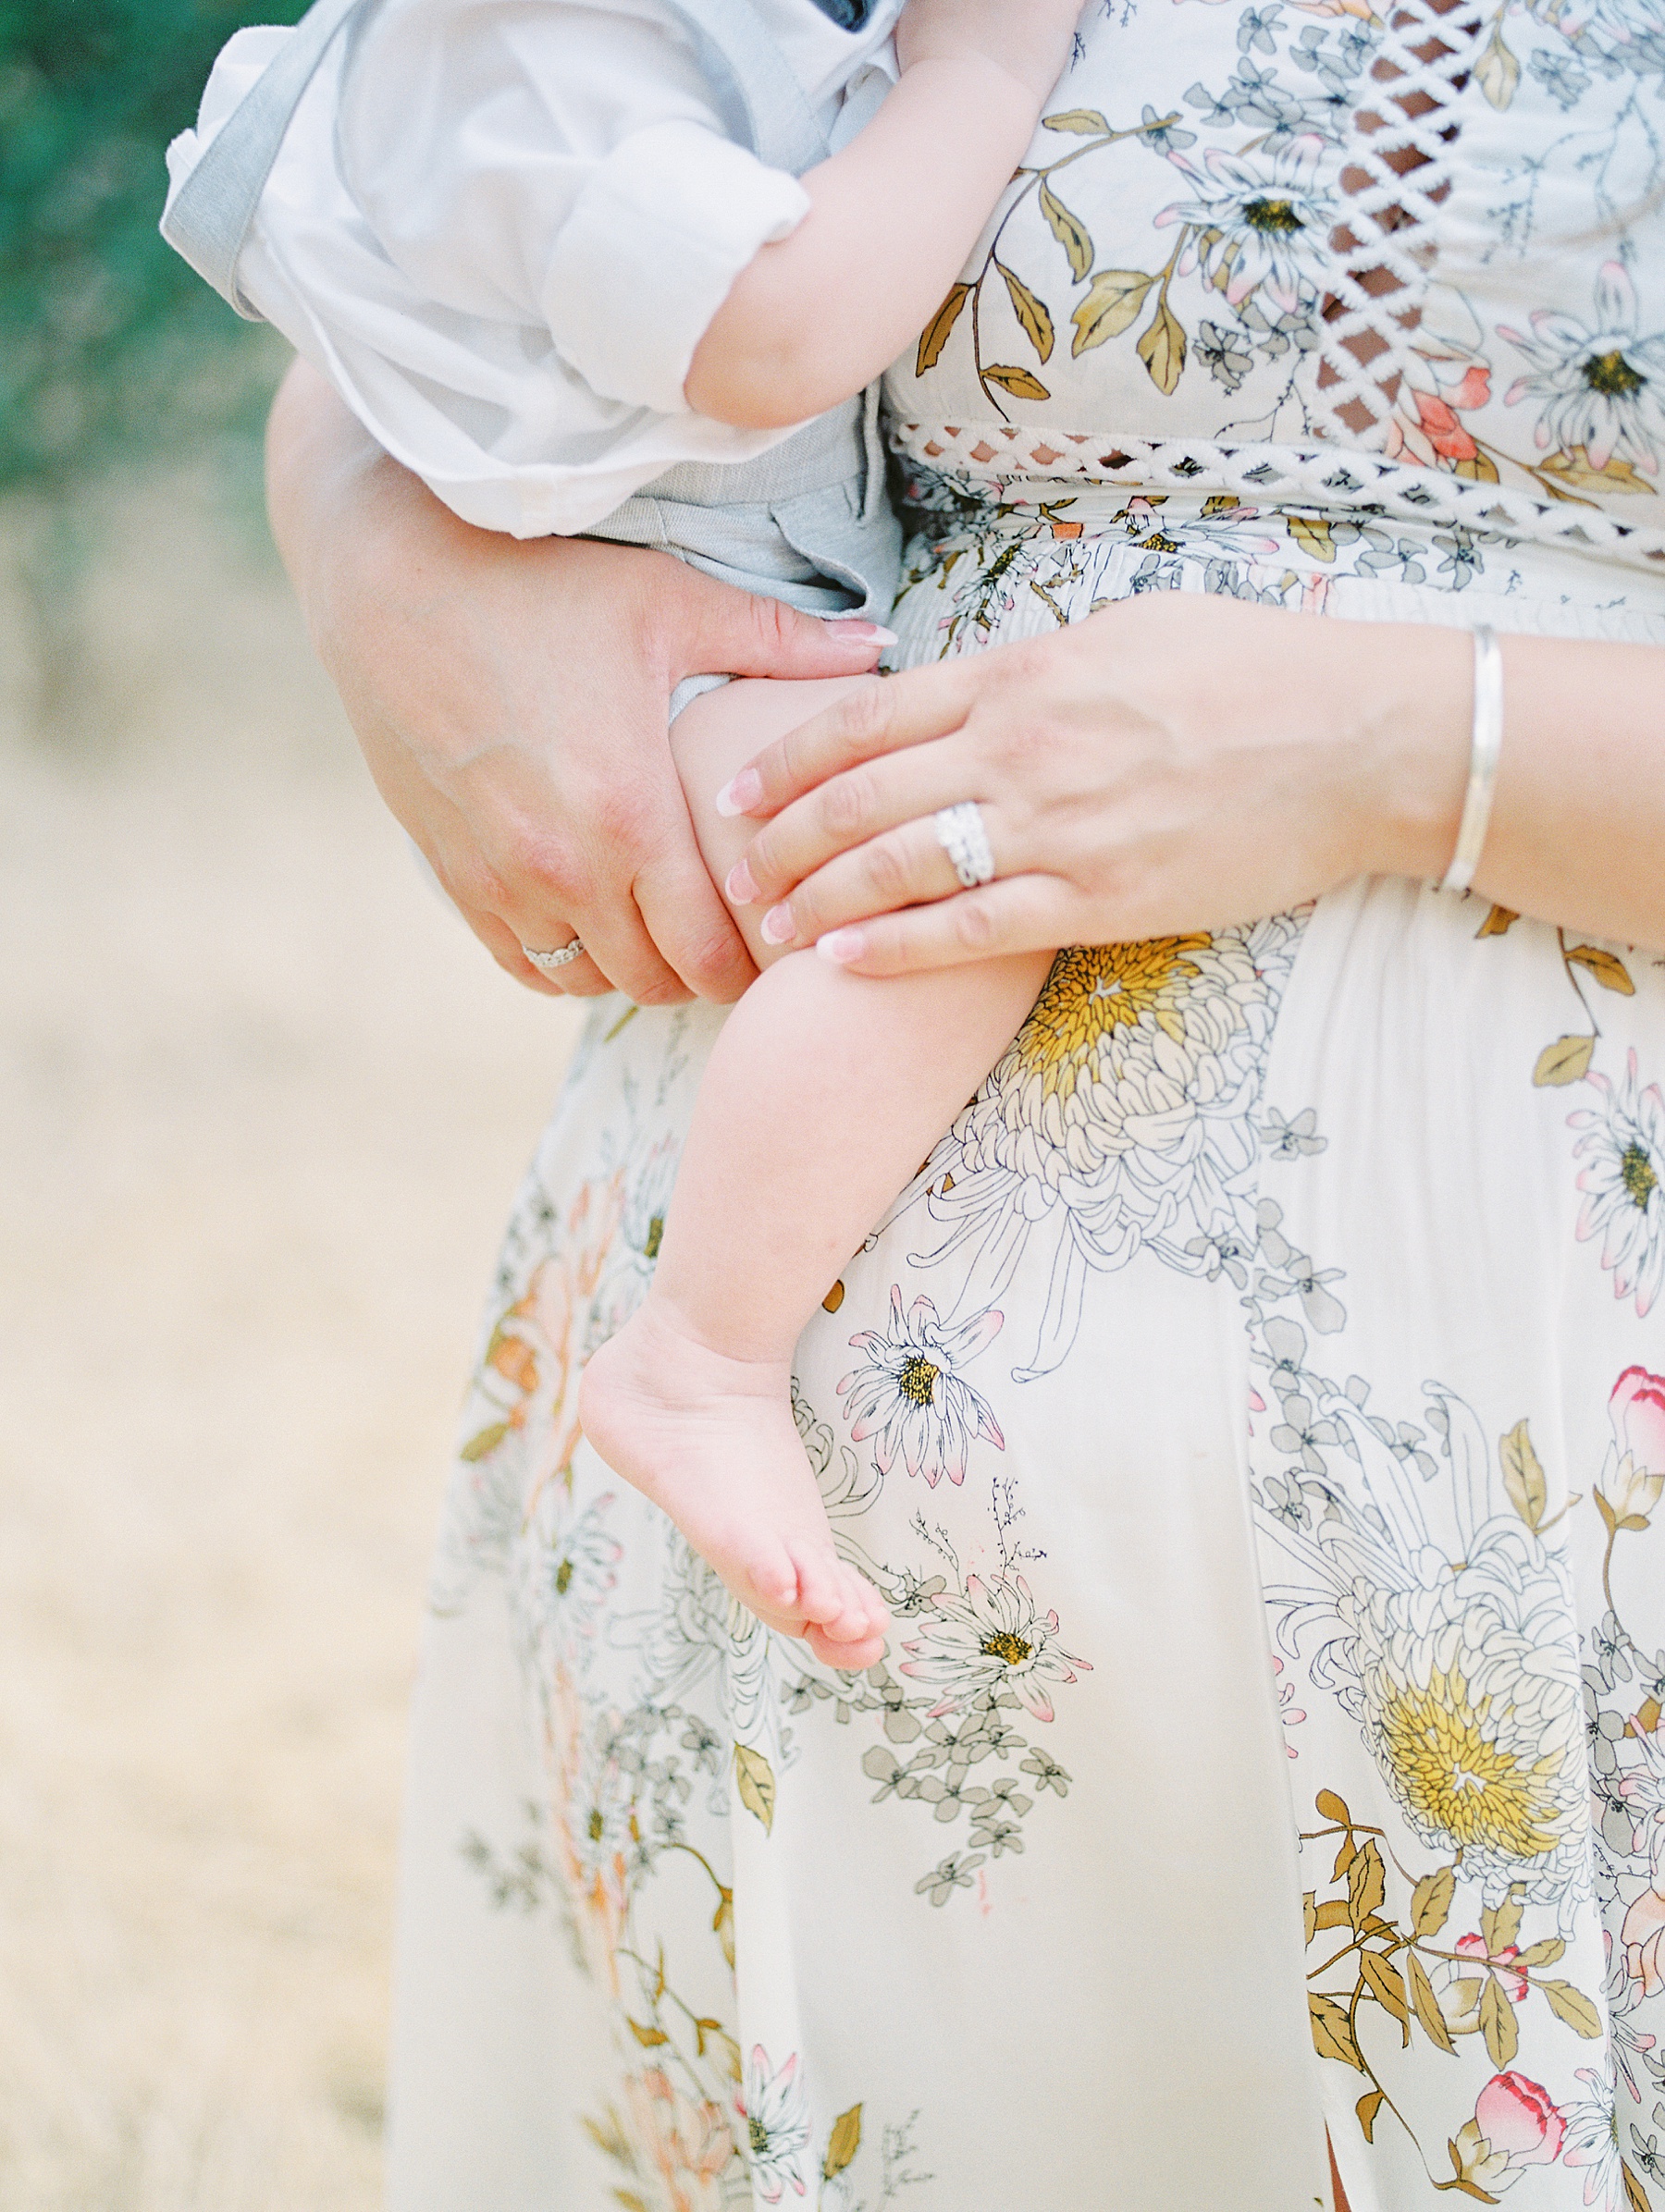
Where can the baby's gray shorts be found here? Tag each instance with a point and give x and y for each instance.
(809, 521)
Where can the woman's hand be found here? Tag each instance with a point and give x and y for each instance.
(511, 700)
(1174, 763)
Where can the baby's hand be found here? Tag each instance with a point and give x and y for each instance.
(1030, 40)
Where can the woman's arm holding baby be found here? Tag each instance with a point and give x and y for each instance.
(510, 701)
(813, 319)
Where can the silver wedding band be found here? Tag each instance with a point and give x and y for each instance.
(961, 834)
(547, 963)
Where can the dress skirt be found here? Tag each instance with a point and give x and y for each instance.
(1254, 1415)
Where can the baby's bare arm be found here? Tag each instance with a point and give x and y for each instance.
(893, 214)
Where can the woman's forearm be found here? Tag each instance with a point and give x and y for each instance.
(1577, 832)
(317, 453)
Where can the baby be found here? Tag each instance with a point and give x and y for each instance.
(583, 266)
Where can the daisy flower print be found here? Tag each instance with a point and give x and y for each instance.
(909, 1394)
(775, 2118)
(1623, 1146)
(992, 1638)
(1599, 385)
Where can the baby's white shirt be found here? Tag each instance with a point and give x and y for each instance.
(501, 229)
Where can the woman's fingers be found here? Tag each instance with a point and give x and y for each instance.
(534, 774)
(479, 897)
(1022, 914)
(851, 809)
(721, 627)
(619, 954)
(684, 918)
(658, 936)
(522, 903)
(620, 945)
(548, 882)
(501, 944)
(901, 867)
(881, 718)
(580, 979)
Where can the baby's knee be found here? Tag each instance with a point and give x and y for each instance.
(715, 735)
(720, 730)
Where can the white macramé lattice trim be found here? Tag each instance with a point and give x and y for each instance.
(1397, 175)
(1333, 477)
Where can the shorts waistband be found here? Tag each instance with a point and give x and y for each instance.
(831, 450)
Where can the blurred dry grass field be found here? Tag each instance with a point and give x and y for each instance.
(262, 1104)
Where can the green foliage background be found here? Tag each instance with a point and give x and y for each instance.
(111, 349)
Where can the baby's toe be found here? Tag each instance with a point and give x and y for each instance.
(787, 1620)
(769, 1584)
(847, 1658)
(821, 1583)
(860, 1615)
(873, 1608)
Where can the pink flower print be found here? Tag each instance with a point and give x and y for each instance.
(1518, 2118)
(1516, 2124)
(1631, 1482)
(1644, 1927)
(1515, 1983)
(991, 1640)
(1592, 2141)
(774, 2117)
(1644, 1930)
(1439, 426)
(1597, 383)
(1636, 1409)
(910, 1396)
(1622, 1143)
(688, 2143)
(1444, 381)
(1263, 217)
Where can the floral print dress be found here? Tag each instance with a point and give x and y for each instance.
(1253, 1412)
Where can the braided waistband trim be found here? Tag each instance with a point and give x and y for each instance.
(1329, 477)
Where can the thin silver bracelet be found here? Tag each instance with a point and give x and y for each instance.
(1485, 744)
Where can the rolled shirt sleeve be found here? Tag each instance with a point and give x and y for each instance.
(647, 254)
(500, 227)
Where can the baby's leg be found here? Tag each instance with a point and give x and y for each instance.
(824, 1092)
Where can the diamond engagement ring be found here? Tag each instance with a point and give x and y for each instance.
(961, 834)
(547, 963)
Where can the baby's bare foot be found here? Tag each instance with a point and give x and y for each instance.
(712, 1441)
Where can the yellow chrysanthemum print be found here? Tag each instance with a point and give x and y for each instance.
(1458, 1779)
(1448, 1645)
(1119, 1120)
(1093, 989)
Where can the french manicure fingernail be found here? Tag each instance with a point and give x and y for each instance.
(778, 928)
(740, 793)
(840, 946)
(871, 633)
(741, 890)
